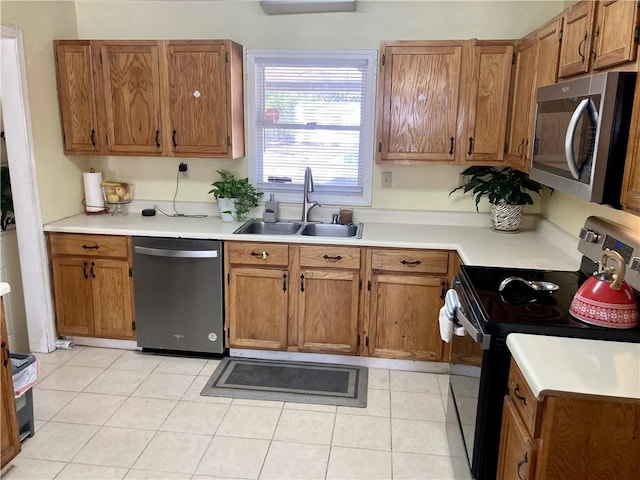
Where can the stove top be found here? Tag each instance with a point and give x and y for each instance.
(519, 308)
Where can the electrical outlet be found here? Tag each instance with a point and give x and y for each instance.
(386, 179)
(183, 169)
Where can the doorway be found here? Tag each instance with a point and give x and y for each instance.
(26, 200)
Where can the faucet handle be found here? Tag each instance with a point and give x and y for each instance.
(335, 218)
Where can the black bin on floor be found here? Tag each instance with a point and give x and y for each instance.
(24, 403)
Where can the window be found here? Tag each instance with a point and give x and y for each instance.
(312, 108)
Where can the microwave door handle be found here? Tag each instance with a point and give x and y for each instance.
(571, 133)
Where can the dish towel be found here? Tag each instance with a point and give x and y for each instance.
(448, 325)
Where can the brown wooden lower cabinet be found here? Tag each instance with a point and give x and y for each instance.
(92, 285)
(567, 436)
(407, 290)
(257, 308)
(335, 299)
(10, 437)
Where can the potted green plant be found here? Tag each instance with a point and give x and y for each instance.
(235, 196)
(505, 189)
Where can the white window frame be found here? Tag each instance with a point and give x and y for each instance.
(367, 139)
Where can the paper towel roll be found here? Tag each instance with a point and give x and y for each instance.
(93, 198)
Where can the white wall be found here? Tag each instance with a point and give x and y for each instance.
(59, 177)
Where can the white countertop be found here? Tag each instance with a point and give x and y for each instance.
(554, 365)
(543, 247)
(4, 288)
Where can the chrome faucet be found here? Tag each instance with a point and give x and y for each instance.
(307, 203)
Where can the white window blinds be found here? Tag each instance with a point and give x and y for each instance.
(316, 109)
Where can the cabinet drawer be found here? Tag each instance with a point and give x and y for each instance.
(523, 398)
(258, 254)
(336, 257)
(89, 245)
(420, 261)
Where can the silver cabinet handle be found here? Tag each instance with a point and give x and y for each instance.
(163, 252)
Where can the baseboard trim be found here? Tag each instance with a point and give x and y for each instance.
(387, 363)
(105, 343)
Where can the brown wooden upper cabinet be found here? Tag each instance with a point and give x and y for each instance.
(151, 98)
(598, 35)
(418, 92)
(483, 111)
(522, 104)
(129, 96)
(76, 96)
(575, 52)
(443, 102)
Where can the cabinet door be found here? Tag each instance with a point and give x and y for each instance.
(548, 40)
(517, 454)
(404, 316)
(522, 101)
(615, 30)
(72, 292)
(630, 197)
(420, 90)
(112, 300)
(199, 98)
(258, 310)
(130, 88)
(10, 437)
(488, 76)
(76, 97)
(328, 311)
(575, 51)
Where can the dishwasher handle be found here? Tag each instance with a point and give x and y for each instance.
(165, 252)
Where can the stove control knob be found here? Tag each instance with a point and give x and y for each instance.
(589, 236)
(635, 264)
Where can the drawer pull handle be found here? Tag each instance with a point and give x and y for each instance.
(522, 462)
(302, 283)
(93, 137)
(411, 264)
(262, 255)
(516, 393)
(336, 258)
(284, 282)
(84, 270)
(93, 275)
(91, 247)
(451, 140)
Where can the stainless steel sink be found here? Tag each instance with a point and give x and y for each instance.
(329, 230)
(255, 226)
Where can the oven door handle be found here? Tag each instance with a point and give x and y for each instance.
(483, 339)
(585, 105)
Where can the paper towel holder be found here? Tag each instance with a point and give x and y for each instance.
(94, 209)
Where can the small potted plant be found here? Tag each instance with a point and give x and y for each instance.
(506, 190)
(235, 196)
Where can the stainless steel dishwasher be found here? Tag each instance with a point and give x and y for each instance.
(178, 294)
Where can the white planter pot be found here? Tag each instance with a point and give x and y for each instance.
(227, 207)
(506, 218)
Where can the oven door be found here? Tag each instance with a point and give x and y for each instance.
(464, 385)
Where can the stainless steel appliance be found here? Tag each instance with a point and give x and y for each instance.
(478, 377)
(178, 294)
(581, 133)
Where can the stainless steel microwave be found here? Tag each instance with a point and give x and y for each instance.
(581, 132)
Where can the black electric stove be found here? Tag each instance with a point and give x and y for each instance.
(518, 308)
(478, 376)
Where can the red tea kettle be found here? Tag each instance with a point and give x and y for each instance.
(605, 299)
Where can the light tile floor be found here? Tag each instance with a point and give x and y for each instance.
(113, 414)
